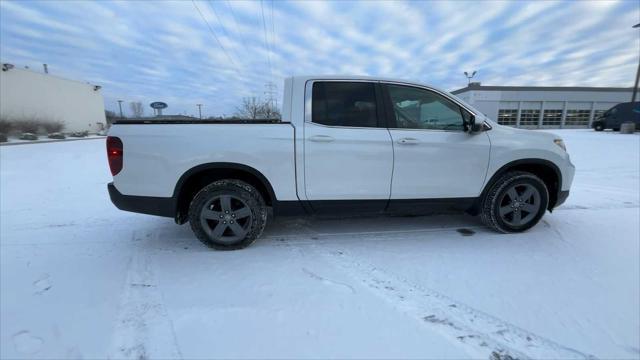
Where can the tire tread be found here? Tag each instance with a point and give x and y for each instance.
(250, 194)
(488, 213)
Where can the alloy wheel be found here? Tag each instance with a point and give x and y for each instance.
(519, 204)
(226, 218)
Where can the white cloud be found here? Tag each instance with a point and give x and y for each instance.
(164, 51)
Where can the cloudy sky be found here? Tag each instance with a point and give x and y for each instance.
(164, 50)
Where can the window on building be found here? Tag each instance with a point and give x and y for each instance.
(577, 117)
(552, 117)
(344, 104)
(529, 117)
(507, 117)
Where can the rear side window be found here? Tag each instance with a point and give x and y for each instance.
(344, 104)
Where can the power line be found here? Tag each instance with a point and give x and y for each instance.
(235, 21)
(216, 37)
(264, 27)
(273, 28)
(224, 29)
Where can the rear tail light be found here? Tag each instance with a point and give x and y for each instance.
(115, 152)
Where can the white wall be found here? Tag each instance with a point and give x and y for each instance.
(25, 93)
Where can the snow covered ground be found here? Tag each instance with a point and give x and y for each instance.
(80, 278)
(13, 140)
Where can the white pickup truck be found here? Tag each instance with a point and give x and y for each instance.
(345, 145)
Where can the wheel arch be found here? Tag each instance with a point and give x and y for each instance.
(546, 170)
(599, 122)
(199, 176)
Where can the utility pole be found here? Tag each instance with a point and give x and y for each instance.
(120, 106)
(270, 92)
(635, 86)
(469, 77)
(199, 110)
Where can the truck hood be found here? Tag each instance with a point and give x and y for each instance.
(509, 131)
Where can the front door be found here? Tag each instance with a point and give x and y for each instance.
(435, 158)
(348, 154)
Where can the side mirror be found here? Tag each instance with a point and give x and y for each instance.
(471, 126)
(477, 127)
(468, 122)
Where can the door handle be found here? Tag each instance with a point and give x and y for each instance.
(408, 141)
(321, 138)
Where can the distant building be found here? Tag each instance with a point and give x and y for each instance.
(26, 94)
(544, 106)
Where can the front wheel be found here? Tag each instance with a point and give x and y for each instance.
(598, 127)
(515, 203)
(228, 215)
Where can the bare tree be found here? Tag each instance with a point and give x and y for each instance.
(53, 126)
(110, 116)
(254, 108)
(136, 109)
(250, 108)
(268, 111)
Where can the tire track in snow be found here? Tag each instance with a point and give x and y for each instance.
(484, 334)
(143, 329)
(312, 236)
(602, 188)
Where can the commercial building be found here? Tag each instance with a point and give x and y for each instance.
(30, 95)
(544, 106)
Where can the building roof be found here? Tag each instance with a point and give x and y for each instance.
(47, 75)
(478, 87)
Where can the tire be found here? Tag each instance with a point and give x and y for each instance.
(598, 127)
(510, 212)
(228, 215)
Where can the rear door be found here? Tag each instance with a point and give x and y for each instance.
(435, 158)
(348, 154)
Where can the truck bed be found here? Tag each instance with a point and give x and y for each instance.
(156, 156)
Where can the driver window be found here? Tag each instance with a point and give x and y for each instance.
(422, 109)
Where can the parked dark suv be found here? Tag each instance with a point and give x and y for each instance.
(614, 117)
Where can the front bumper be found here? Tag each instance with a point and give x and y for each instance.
(568, 172)
(150, 205)
(562, 197)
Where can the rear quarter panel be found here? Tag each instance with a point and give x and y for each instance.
(156, 156)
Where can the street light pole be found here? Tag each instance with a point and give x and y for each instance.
(120, 106)
(635, 86)
(199, 110)
(469, 77)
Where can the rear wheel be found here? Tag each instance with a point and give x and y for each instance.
(228, 215)
(515, 203)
